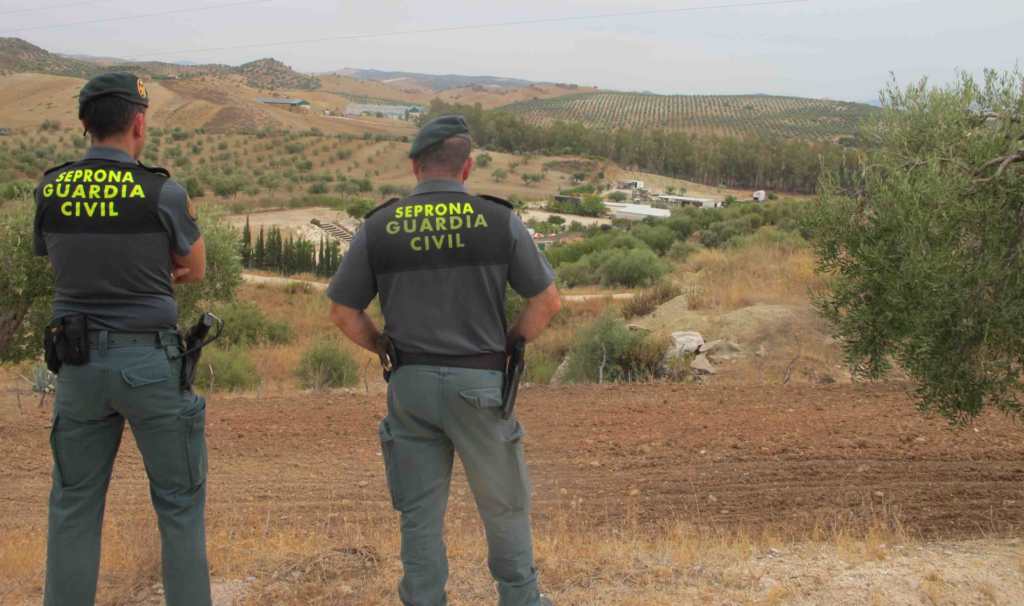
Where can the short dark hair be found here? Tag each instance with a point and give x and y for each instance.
(448, 156)
(109, 116)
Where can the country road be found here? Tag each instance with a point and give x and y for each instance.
(274, 281)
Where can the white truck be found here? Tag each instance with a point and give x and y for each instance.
(760, 196)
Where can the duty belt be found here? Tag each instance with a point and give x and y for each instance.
(487, 361)
(132, 339)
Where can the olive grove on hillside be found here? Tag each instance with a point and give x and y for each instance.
(928, 250)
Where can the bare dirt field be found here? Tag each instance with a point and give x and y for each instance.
(780, 465)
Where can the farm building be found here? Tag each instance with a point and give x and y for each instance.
(683, 200)
(545, 241)
(392, 112)
(294, 105)
(635, 212)
(629, 185)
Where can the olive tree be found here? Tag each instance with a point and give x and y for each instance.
(926, 255)
(26, 283)
(26, 286)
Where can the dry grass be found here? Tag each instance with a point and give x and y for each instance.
(350, 555)
(759, 274)
(306, 313)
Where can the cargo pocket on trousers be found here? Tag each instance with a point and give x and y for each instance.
(58, 472)
(193, 432)
(147, 374)
(519, 488)
(387, 450)
(483, 398)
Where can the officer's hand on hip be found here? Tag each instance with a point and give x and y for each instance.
(177, 273)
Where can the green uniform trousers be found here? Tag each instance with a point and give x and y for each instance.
(141, 384)
(433, 413)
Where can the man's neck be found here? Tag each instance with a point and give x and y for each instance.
(423, 178)
(120, 144)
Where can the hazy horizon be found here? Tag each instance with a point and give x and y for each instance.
(820, 48)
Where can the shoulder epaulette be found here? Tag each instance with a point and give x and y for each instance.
(386, 204)
(501, 201)
(156, 170)
(65, 165)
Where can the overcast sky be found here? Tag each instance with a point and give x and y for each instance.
(843, 49)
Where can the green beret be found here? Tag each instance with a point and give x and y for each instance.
(116, 84)
(436, 131)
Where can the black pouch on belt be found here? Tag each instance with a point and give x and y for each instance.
(66, 342)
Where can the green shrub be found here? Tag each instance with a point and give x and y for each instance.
(245, 324)
(325, 364)
(578, 273)
(631, 268)
(659, 238)
(607, 350)
(681, 251)
(233, 370)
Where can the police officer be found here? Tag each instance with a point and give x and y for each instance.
(440, 260)
(118, 235)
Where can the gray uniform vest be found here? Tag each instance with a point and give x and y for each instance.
(441, 263)
(109, 248)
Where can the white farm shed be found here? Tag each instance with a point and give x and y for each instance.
(698, 202)
(636, 212)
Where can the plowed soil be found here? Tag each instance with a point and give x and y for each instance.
(727, 455)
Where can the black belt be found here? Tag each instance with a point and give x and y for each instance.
(488, 361)
(133, 339)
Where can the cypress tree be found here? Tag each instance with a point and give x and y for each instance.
(259, 260)
(246, 244)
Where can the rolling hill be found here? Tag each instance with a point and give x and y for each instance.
(435, 82)
(19, 56)
(787, 117)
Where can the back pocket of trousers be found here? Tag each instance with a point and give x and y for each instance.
(193, 433)
(147, 374)
(387, 450)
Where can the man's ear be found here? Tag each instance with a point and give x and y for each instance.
(139, 125)
(415, 167)
(467, 168)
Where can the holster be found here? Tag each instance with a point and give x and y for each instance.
(388, 355)
(192, 348)
(66, 342)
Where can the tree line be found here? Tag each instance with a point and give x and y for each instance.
(751, 162)
(272, 252)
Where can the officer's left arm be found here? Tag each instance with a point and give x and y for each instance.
(357, 326)
(178, 215)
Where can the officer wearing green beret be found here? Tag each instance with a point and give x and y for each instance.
(440, 260)
(118, 235)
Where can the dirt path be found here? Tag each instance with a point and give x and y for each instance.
(274, 281)
(728, 455)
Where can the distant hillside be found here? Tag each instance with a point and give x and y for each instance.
(788, 117)
(271, 73)
(19, 56)
(93, 59)
(437, 83)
